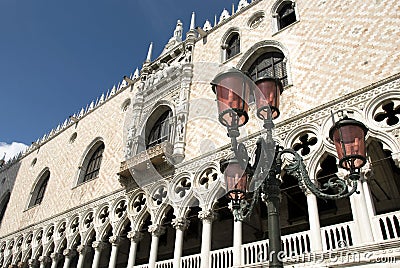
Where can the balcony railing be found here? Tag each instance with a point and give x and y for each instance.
(386, 226)
(337, 236)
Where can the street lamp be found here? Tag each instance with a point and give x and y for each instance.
(233, 89)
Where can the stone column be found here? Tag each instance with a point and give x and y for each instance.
(366, 173)
(43, 260)
(237, 243)
(32, 263)
(313, 218)
(55, 258)
(180, 224)
(98, 247)
(207, 217)
(361, 216)
(135, 237)
(82, 250)
(156, 231)
(68, 254)
(114, 240)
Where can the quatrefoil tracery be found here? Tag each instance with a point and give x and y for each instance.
(160, 195)
(75, 225)
(88, 220)
(304, 144)
(208, 176)
(104, 215)
(139, 202)
(390, 113)
(120, 209)
(183, 187)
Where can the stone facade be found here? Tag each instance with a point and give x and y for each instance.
(164, 205)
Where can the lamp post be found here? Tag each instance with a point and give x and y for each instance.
(233, 90)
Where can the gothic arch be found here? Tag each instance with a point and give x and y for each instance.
(260, 48)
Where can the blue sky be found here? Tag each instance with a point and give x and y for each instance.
(57, 56)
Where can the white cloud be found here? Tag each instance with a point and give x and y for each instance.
(11, 149)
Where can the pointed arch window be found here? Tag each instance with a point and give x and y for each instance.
(160, 131)
(93, 166)
(40, 189)
(272, 64)
(232, 45)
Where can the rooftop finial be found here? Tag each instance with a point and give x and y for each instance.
(148, 58)
(192, 22)
(136, 74)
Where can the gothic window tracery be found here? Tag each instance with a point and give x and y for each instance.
(270, 64)
(389, 114)
(304, 143)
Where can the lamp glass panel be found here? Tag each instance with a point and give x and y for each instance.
(267, 94)
(236, 181)
(353, 144)
(233, 94)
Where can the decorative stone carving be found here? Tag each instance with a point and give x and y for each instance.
(156, 230)
(207, 215)
(135, 236)
(44, 259)
(55, 257)
(32, 263)
(180, 223)
(99, 245)
(114, 240)
(69, 253)
(82, 249)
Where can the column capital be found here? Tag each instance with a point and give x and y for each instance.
(135, 236)
(98, 245)
(115, 240)
(55, 256)
(33, 263)
(207, 215)
(180, 223)
(69, 253)
(82, 249)
(44, 259)
(156, 230)
(366, 171)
